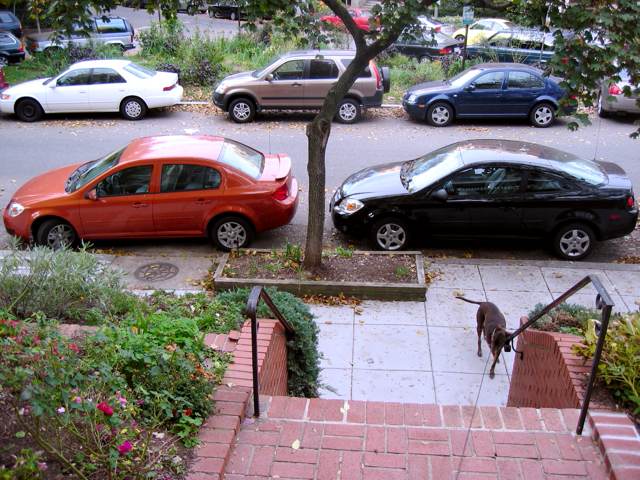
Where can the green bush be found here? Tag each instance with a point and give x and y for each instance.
(53, 62)
(565, 318)
(406, 72)
(302, 352)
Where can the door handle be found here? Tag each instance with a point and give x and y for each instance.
(202, 201)
(140, 205)
(296, 84)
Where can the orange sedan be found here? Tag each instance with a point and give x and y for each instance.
(165, 186)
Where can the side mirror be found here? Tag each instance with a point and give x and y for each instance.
(441, 195)
(91, 195)
(269, 77)
(470, 88)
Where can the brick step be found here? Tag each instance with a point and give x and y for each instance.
(223, 342)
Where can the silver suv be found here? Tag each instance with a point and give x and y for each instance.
(301, 80)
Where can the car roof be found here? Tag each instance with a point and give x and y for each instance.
(204, 147)
(513, 66)
(313, 53)
(100, 63)
(510, 151)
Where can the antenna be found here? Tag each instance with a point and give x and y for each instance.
(595, 152)
(269, 138)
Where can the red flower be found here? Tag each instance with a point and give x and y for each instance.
(564, 60)
(105, 408)
(74, 348)
(125, 447)
(187, 412)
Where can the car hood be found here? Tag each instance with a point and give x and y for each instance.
(241, 77)
(379, 181)
(438, 86)
(44, 187)
(30, 86)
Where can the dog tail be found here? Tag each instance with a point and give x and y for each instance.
(469, 301)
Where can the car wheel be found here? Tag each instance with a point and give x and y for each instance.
(424, 59)
(460, 38)
(133, 108)
(542, 115)
(349, 111)
(231, 232)
(573, 241)
(440, 114)
(56, 234)
(28, 110)
(602, 113)
(242, 110)
(233, 16)
(390, 234)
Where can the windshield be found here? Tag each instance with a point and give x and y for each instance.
(139, 71)
(462, 78)
(423, 171)
(90, 170)
(243, 158)
(263, 70)
(585, 170)
(509, 24)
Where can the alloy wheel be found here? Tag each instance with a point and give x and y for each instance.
(543, 115)
(60, 236)
(133, 109)
(575, 243)
(391, 236)
(440, 115)
(241, 111)
(348, 112)
(232, 235)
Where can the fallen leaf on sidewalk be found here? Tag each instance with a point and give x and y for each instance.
(296, 444)
(358, 310)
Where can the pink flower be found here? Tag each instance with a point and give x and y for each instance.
(125, 447)
(42, 466)
(105, 408)
(77, 399)
(61, 410)
(123, 402)
(74, 348)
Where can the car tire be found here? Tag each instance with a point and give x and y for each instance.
(231, 232)
(349, 111)
(602, 113)
(56, 234)
(424, 59)
(460, 38)
(233, 16)
(573, 241)
(133, 108)
(440, 114)
(28, 110)
(542, 115)
(242, 110)
(390, 234)
(212, 14)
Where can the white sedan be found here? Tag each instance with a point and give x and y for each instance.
(94, 86)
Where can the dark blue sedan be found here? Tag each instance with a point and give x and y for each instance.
(489, 90)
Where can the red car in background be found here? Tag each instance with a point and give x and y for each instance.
(360, 17)
(3, 83)
(159, 187)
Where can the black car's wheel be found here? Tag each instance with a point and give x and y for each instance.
(242, 110)
(56, 234)
(349, 111)
(390, 234)
(28, 110)
(573, 241)
(440, 114)
(231, 232)
(542, 115)
(424, 59)
(133, 108)
(602, 113)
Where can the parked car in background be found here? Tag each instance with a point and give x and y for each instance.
(532, 47)
(102, 30)
(489, 188)
(191, 7)
(483, 29)
(427, 46)
(611, 98)
(225, 9)
(301, 80)
(94, 86)
(489, 90)
(164, 186)
(10, 23)
(360, 17)
(11, 48)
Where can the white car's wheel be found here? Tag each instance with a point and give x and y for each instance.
(133, 108)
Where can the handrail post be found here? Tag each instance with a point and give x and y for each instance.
(254, 365)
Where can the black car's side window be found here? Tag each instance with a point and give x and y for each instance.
(484, 182)
(489, 81)
(524, 80)
(292, 70)
(181, 178)
(75, 77)
(545, 182)
(323, 69)
(129, 181)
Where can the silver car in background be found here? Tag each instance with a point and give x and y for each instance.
(612, 99)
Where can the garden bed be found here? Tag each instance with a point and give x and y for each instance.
(382, 275)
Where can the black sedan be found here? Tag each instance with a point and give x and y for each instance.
(489, 188)
(427, 46)
(489, 90)
(10, 23)
(11, 49)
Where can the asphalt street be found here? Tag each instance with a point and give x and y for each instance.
(383, 136)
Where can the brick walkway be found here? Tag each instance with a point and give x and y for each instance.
(331, 439)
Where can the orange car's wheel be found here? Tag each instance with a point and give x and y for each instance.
(56, 234)
(229, 233)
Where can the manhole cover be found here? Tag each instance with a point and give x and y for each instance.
(156, 272)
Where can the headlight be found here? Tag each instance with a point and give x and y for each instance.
(221, 88)
(4, 96)
(348, 206)
(15, 209)
(413, 98)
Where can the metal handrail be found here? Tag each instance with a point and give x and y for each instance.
(604, 303)
(251, 310)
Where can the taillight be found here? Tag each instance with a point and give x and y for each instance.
(21, 47)
(281, 193)
(444, 51)
(631, 201)
(166, 89)
(374, 69)
(437, 28)
(614, 89)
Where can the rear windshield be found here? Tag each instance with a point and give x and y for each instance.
(243, 158)
(585, 170)
(139, 71)
(6, 17)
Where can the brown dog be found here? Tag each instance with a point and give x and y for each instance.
(490, 321)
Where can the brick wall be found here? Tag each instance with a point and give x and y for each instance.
(550, 374)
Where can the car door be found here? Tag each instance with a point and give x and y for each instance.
(482, 96)
(70, 92)
(188, 192)
(522, 90)
(320, 76)
(106, 90)
(286, 88)
(122, 206)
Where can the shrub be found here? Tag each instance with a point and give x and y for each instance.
(406, 72)
(162, 39)
(565, 318)
(53, 62)
(302, 352)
